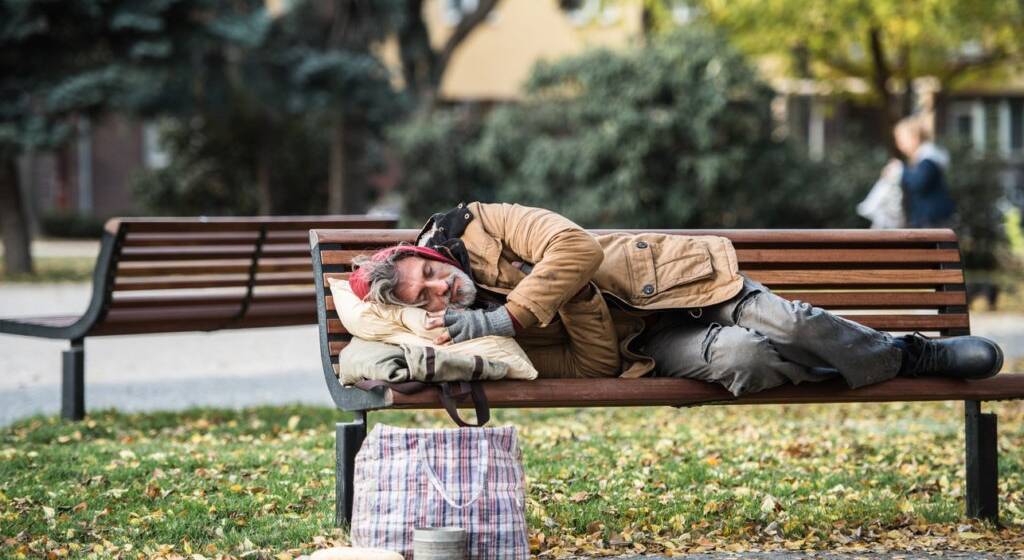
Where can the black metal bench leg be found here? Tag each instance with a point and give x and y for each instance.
(348, 438)
(982, 463)
(73, 383)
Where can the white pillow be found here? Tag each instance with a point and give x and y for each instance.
(396, 324)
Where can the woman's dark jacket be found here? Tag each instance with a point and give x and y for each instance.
(925, 191)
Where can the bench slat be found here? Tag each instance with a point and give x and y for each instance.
(132, 301)
(230, 224)
(855, 300)
(144, 314)
(339, 256)
(878, 300)
(809, 257)
(545, 393)
(227, 238)
(192, 324)
(294, 251)
(335, 275)
(210, 311)
(242, 267)
(738, 236)
(901, 323)
(867, 278)
(194, 283)
(912, 322)
(812, 257)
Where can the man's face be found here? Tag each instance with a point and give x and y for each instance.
(433, 285)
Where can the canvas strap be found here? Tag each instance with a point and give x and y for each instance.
(450, 394)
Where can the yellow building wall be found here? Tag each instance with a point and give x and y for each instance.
(495, 60)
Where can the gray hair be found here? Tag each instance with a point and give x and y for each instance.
(382, 275)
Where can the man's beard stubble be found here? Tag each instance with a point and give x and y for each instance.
(465, 294)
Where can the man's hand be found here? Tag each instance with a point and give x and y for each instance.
(435, 319)
(467, 324)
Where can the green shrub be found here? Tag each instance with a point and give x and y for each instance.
(675, 134)
(438, 170)
(975, 186)
(214, 164)
(71, 224)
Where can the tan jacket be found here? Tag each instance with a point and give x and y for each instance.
(639, 272)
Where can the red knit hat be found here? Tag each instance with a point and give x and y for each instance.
(361, 285)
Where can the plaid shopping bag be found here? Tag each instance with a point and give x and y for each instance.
(467, 477)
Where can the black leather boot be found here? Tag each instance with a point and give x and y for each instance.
(961, 357)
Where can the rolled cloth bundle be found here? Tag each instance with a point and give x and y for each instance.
(354, 553)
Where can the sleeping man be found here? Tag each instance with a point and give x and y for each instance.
(630, 305)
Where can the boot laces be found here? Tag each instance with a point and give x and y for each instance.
(930, 356)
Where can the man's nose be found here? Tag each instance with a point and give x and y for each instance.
(438, 286)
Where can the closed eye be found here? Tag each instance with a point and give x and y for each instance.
(421, 297)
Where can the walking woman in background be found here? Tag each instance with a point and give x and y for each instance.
(926, 198)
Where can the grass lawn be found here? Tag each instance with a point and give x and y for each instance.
(259, 483)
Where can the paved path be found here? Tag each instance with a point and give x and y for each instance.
(154, 372)
(229, 368)
(63, 248)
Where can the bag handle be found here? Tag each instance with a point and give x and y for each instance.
(475, 391)
(450, 394)
(405, 388)
(436, 482)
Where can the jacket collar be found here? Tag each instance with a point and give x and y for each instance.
(443, 232)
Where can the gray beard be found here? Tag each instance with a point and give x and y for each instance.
(465, 295)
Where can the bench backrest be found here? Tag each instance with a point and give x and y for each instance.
(892, 280)
(187, 274)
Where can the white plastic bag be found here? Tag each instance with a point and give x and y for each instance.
(884, 204)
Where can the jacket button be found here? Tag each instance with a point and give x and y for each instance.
(648, 289)
(641, 244)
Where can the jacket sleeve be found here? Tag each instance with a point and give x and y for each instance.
(921, 178)
(564, 258)
(592, 348)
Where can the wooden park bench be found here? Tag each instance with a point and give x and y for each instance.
(897, 280)
(161, 275)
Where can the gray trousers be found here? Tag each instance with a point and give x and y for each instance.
(758, 340)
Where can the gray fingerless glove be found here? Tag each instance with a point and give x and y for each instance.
(473, 323)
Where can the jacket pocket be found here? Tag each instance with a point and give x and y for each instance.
(658, 265)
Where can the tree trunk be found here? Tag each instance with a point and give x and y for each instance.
(423, 67)
(880, 82)
(264, 194)
(17, 240)
(337, 202)
(414, 48)
(907, 107)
